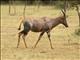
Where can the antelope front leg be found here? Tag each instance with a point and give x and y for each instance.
(48, 33)
(38, 39)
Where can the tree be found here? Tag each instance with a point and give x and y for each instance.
(14, 9)
(24, 10)
(77, 9)
(38, 2)
(75, 4)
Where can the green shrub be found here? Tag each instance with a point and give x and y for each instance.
(77, 31)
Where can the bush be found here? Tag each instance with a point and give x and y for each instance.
(77, 31)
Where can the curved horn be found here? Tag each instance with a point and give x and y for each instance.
(64, 12)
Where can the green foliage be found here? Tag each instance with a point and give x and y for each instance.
(72, 4)
(77, 31)
(57, 3)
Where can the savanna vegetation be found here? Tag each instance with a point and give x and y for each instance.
(65, 41)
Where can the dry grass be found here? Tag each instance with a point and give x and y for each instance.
(66, 44)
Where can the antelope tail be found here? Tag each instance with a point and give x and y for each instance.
(21, 18)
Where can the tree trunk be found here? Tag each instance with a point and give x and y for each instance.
(38, 1)
(51, 2)
(37, 4)
(14, 9)
(77, 9)
(24, 11)
(9, 7)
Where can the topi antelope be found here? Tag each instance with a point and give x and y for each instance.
(44, 26)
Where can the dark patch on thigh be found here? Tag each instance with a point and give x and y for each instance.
(26, 27)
